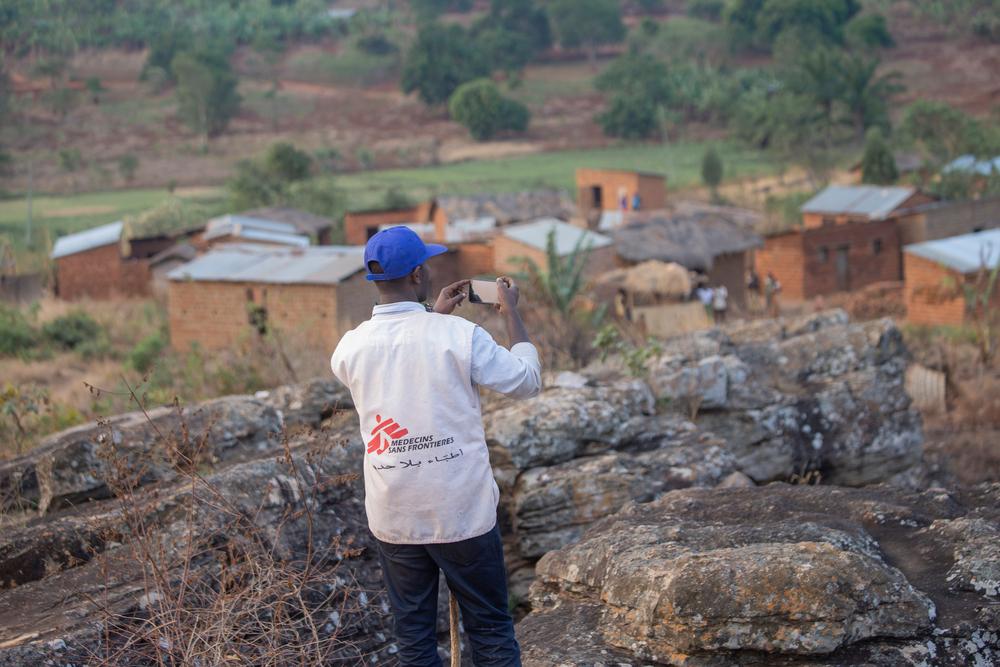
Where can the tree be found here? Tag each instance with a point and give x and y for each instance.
(866, 94)
(522, 17)
(127, 166)
(817, 78)
(206, 91)
(287, 164)
(441, 59)
(868, 32)
(640, 85)
(878, 166)
(587, 23)
(939, 130)
(823, 18)
(479, 106)
(712, 171)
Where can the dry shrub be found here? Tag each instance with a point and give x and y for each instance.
(227, 590)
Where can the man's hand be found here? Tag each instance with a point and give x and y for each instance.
(451, 296)
(508, 293)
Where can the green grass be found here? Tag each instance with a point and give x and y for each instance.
(542, 83)
(680, 163)
(56, 216)
(349, 67)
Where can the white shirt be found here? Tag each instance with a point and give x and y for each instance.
(414, 378)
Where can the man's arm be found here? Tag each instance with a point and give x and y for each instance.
(515, 372)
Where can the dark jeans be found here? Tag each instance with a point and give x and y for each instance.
(475, 573)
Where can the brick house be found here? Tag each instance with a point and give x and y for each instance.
(705, 242)
(359, 226)
(314, 294)
(617, 191)
(935, 270)
(529, 240)
(850, 238)
(99, 263)
(940, 220)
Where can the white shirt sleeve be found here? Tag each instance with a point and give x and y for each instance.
(516, 372)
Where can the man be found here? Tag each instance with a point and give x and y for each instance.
(429, 491)
(720, 303)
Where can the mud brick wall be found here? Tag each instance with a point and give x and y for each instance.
(782, 256)
(927, 299)
(865, 265)
(356, 225)
(101, 273)
(652, 188)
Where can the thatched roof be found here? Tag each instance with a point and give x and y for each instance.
(508, 207)
(692, 241)
(652, 277)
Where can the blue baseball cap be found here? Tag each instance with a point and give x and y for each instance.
(398, 250)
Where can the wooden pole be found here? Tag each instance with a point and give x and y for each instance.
(456, 647)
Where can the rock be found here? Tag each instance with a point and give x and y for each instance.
(567, 380)
(703, 386)
(73, 466)
(309, 403)
(735, 480)
(775, 574)
(561, 423)
(554, 504)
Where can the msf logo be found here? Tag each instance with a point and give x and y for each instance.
(384, 433)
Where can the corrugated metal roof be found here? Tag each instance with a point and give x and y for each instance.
(470, 229)
(969, 164)
(965, 253)
(315, 265)
(535, 234)
(424, 230)
(262, 236)
(88, 240)
(227, 225)
(871, 201)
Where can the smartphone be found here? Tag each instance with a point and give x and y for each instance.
(483, 291)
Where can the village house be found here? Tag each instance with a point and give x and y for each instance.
(107, 261)
(706, 242)
(603, 195)
(850, 238)
(943, 219)
(310, 295)
(245, 229)
(317, 228)
(529, 240)
(936, 272)
(359, 226)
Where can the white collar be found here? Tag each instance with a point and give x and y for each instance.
(399, 307)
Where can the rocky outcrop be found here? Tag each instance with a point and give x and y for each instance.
(777, 575)
(815, 398)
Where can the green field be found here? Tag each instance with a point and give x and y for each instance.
(680, 163)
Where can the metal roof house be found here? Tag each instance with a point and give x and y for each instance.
(102, 262)
(308, 224)
(241, 228)
(937, 271)
(236, 291)
(529, 241)
(851, 237)
(858, 203)
(971, 165)
(94, 237)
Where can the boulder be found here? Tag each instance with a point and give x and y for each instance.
(564, 423)
(778, 575)
(75, 465)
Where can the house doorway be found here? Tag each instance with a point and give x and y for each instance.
(596, 197)
(843, 268)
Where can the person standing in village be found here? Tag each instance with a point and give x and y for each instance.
(704, 293)
(431, 500)
(772, 287)
(720, 303)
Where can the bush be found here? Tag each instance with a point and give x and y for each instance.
(630, 116)
(72, 330)
(147, 351)
(16, 334)
(479, 106)
(711, 169)
(878, 165)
